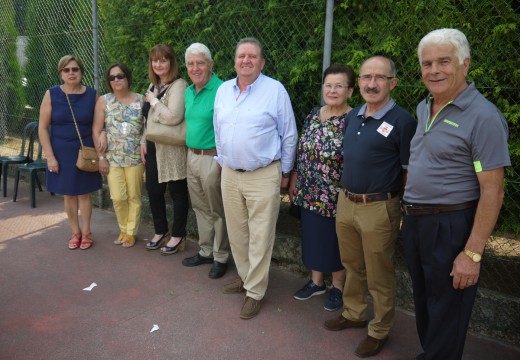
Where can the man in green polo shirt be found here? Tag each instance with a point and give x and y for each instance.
(203, 171)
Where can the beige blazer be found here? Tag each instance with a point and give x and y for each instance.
(171, 160)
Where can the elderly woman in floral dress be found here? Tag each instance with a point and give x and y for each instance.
(315, 184)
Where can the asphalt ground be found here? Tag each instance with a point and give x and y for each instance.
(46, 314)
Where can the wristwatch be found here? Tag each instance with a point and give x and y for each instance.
(286, 175)
(473, 255)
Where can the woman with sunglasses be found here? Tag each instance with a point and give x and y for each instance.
(119, 114)
(60, 142)
(165, 164)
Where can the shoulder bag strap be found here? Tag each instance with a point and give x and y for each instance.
(74, 118)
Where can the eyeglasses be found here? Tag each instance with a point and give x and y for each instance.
(338, 87)
(192, 64)
(117, 76)
(378, 78)
(73, 69)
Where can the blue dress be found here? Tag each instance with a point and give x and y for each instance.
(65, 143)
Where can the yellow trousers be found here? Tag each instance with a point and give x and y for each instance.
(125, 184)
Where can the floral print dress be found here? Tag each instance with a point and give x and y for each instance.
(319, 163)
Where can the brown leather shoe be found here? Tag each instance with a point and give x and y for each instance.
(370, 346)
(250, 308)
(340, 323)
(237, 286)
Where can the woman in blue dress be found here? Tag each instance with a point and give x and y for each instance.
(60, 142)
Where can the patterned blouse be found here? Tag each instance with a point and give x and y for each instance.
(319, 163)
(124, 126)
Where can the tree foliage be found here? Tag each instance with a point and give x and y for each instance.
(292, 32)
(11, 94)
(50, 41)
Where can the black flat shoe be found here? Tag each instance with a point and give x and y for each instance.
(170, 250)
(156, 245)
(197, 260)
(217, 270)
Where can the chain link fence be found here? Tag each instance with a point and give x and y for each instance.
(34, 34)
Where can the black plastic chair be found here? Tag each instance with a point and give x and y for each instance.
(32, 169)
(24, 157)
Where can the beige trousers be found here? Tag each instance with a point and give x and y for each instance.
(206, 201)
(367, 235)
(252, 202)
(126, 184)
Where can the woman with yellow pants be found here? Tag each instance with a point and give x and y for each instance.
(118, 116)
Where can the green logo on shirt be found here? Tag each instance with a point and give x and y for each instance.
(478, 166)
(451, 123)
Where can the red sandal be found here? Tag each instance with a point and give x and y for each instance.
(74, 241)
(86, 241)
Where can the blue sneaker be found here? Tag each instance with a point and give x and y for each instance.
(309, 290)
(335, 300)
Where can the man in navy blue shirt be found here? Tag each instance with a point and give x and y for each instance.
(376, 147)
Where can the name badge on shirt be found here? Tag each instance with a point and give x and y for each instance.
(385, 129)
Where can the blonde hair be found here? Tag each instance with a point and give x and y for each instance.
(67, 59)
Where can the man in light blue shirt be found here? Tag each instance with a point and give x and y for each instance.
(256, 136)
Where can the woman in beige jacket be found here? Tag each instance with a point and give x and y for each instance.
(165, 164)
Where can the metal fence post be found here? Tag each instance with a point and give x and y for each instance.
(327, 41)
(95, 55)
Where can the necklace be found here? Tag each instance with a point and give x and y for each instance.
(327, 114)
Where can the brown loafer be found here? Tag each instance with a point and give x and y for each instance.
(340, 323)
(370, 346)
(250, 308)
(237, 286)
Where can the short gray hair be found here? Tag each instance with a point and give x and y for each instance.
(251, 40)
(198, 49)
(445, 36)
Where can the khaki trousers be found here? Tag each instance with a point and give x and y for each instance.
(252, 202)
(206, 201)
(367, 235)
(126, 184)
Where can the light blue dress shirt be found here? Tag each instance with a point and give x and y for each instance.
(255, 127)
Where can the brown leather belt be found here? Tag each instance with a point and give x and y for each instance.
(368, 198)
(210, 152)
(417, 210)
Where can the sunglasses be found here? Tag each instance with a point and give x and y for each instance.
(67, 70)
(117, 76)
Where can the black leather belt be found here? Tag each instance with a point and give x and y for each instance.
(243, 170)
(417, 210)
(368, 198)
(211, 152)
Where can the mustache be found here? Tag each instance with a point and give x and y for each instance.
(369, 90)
